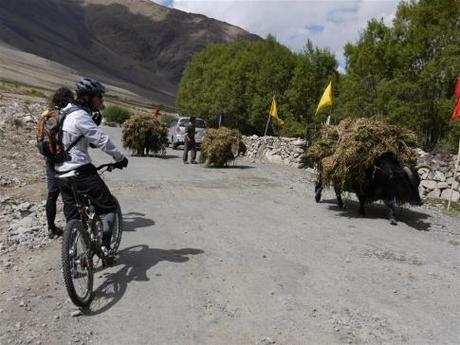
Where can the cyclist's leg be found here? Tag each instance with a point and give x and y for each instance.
(70, 208)
(107, 223)
(53, 194)
(103, 201)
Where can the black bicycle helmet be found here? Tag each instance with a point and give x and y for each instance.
(87, 86)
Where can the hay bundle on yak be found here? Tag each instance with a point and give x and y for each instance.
(144, 133)
(221, 146)
(368, 157)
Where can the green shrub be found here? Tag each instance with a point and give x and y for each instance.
(114, 113)
(167, 119)
(35, 93)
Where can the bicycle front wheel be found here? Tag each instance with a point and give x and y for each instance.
(77, 263)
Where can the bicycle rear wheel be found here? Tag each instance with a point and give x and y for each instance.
(117, 229)
(77, 265)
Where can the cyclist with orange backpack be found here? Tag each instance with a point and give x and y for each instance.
(60, 99)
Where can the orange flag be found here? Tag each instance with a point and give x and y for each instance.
(157, 112)
(456, 113)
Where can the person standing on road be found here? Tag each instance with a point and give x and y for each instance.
(60, 99)
(189, 141)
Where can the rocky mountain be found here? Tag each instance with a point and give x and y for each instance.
(137, 45)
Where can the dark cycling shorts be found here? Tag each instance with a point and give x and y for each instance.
(90, 183)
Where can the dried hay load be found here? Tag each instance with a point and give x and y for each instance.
(221, 146)
(138, 129)
(345, 152)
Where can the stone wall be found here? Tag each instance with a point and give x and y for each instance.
(287, 151)
(436, 181)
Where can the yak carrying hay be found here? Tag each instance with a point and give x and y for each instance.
(345, 152)
(221, 146)
(137, 130)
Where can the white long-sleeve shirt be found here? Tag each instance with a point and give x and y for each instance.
(80, 123)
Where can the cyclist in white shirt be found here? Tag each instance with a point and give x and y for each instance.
(79, 131)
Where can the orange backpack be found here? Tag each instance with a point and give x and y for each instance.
(49, 135)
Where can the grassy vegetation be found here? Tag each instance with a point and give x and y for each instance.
(454, 242)
(442, 204)
(24, 89)
(115, 113)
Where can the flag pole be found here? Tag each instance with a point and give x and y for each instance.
(266, 127)
(455, 177)
(332, 106)
(328, 119)
(269, 115)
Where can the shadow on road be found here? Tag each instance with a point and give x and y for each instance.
(242, 167)
(135, 220)
(157, 155)
(133, 264)
(412, 218)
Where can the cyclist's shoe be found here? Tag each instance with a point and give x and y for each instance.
(51, 234)
(56, 232)
(109, 257)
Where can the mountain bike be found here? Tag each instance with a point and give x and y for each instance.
(82, 241)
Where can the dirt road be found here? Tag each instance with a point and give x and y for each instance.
(244, 256)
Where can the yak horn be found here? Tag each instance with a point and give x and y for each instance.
(408, 172)
(422, 166)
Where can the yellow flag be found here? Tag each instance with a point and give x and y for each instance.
(274, 112)
(326, 98)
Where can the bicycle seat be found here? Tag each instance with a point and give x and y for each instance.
(71, 173)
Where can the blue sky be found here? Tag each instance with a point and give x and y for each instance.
(328, 23)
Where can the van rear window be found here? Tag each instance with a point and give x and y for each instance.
(199, 123)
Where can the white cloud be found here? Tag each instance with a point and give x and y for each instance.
(329, 24)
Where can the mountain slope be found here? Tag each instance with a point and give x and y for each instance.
(135, 44)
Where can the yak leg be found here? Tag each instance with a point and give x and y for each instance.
(338, 194)
(391, 205)
(318, 190)
(362, 201)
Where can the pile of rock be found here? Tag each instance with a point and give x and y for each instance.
(20, 162)
(25, 224)
(9, 181)
(438, 180)
(287, 151)
(17, 115)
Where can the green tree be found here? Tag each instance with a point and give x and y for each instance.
(406, 73)
(241, 78)
(315, 68)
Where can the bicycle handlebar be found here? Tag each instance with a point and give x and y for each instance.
(109, 166)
